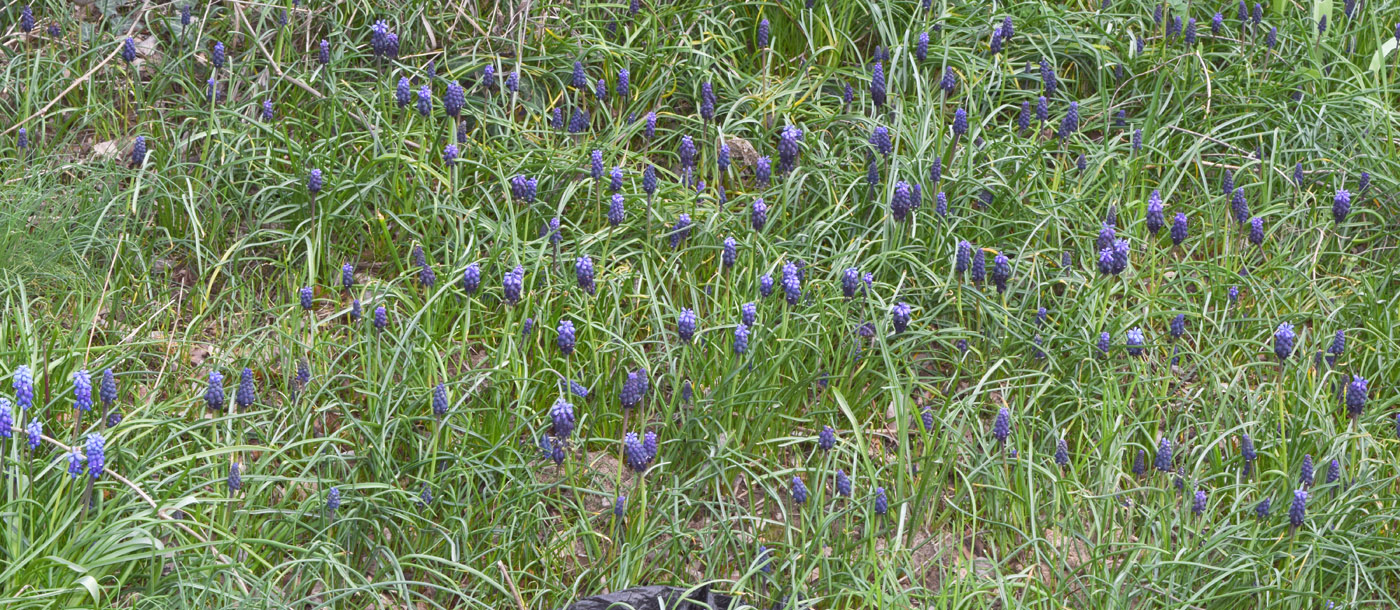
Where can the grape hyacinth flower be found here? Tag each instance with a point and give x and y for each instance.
(578, 121)
(305, 295)
(635, 453)
(681, 230)
(880, 140)
(963, 258)
(512, 283)
(1247, 452)
(792, 284)
(235, 479)
(763, 29)
(921, 50)
(979, 266)
(1061, 453)
(82, 391)
(616, 211)
(333, 499)
(580, 80)
(1191, 32)
(707, 101)
(1283, 341)
(1106, 261)
(877, 85)
(765, 285)
(1163, 461)
(687, 153)
(1339, 344)
(566, 337)
(748, 312)
(1135, 341)
(1234, 294)
(882, 503)
(561, 416)
(1001, 427)
(763, 171)
(1103, 343)
(1356, 396)
(685, 325)
(1070, 124)
(614, 178)
(247, 393)
(741, 339)
(949, 82)
(315, 182)
(7, 418)
(900, 314)
(1363, 182)
(1217, 24)
(75, 464)
(650, 130)
(1239, 206)
(1178, 326)
(899, 202)
(583, 270)
(440, 403)
(730, 255)
(1001, 272)
(1256, 231)
(1334, 472)
(1305, 474)
(1155, 219)
(1297, 512)
(471, 278)
(1198, 506)
(959, 122)
(633, 388)
(34, 432)
(1178, 230)
(96, 448)
(452, 100)
(214, 392)
(826, 439)
(1341, 206)
(799, 491)
(138, 151)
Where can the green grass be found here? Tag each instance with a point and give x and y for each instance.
(191, 262)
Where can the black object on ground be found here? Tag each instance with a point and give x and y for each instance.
(658, 598)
